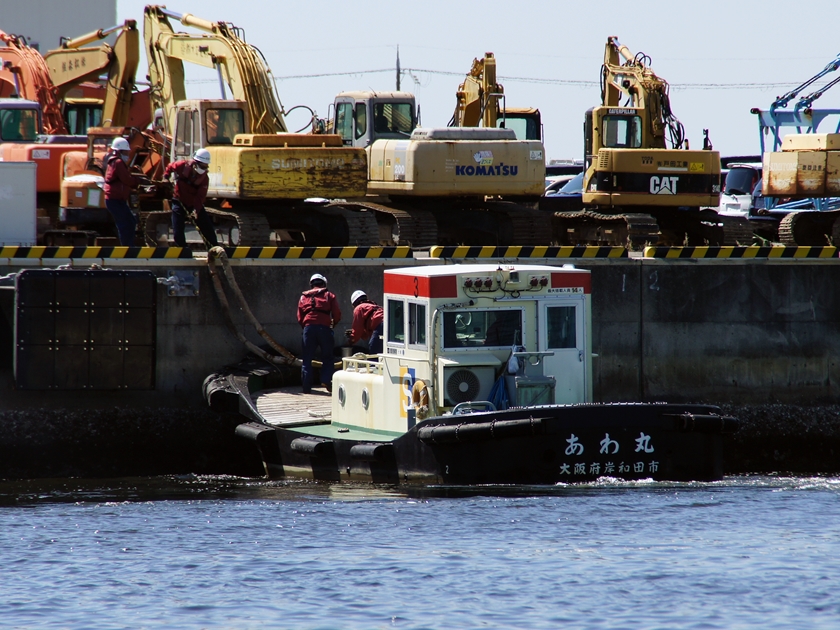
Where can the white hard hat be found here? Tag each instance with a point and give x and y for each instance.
(317, 276)
(120, 144)
(356, 295)
(203, 156)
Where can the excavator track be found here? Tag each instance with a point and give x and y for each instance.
(634, 230)
(248, 229)
(530, 225)
(416, 227)
(736, 231)
(815, 228)
(362, 228)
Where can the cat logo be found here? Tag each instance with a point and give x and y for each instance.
(663, 185)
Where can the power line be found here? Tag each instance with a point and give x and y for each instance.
(532, 80)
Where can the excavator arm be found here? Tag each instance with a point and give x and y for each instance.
(478, 96)
(241, 67)
(75, 63)
(629, 76)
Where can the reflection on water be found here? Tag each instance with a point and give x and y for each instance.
(214, 487)
(228, 552)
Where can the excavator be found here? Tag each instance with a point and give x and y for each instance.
(636, 189)
(481, 103)
(801, 173)
(469, 183)
(31, 124)
(67, 179)
(76, 65)
(24, 75)
(268, 186)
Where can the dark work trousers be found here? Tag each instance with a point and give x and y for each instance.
(314, 336)
(179, 219)
(124, 219)
(375, 341)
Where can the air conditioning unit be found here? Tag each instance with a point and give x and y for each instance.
(463, 383)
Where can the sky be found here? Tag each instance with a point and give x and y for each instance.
(721, 59)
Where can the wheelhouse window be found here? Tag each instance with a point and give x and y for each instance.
(561, 327)
(416, 324)
(493, 328)
(396, 321)
(622, 132)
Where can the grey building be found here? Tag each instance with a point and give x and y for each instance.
(44, 22)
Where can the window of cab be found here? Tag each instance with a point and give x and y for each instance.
(622, 132)
(488, 328)
(223, 125)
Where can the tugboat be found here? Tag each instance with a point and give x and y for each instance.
(485, 378)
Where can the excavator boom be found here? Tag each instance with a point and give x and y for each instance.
(478, 96)
(75, 63)
(240, 66)
(24, 74)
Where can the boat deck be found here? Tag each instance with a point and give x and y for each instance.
(289, 407)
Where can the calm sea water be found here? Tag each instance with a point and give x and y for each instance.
(748, 552)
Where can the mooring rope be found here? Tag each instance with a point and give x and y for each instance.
(218, 255)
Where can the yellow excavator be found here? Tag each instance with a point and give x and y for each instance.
(636, 189)
(469, 183)
(268, 186)
(481, 103)
(115, 103)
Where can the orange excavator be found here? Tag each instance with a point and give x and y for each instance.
(76, 67)
(24, 75)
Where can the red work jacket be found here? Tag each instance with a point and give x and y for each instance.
(318, 306)
(191, 188)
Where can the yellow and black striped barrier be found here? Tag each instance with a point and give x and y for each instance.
(526, 251)
(264, 253)
(726, 252)
(93, 251)
(274, 253)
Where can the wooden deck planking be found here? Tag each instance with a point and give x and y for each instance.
(288, 406)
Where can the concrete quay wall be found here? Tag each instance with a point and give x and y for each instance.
(720, 331)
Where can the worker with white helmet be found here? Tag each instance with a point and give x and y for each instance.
(119, 182)
(191, 183)
(318, 313)
(367, 322)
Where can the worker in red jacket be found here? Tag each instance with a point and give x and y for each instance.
(119, 182)
(367, 322)
(318, 313)
(191, 183)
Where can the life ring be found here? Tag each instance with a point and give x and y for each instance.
(420, 399)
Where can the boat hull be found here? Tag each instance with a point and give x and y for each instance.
(540, 445)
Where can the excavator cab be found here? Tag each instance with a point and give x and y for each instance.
(20, 120)
(526, 122)
(205, 124)
(361, 118)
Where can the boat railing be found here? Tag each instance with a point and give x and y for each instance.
(362, 363)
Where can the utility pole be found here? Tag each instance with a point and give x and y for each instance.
(398, 69)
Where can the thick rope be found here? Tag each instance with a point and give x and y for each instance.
(218, 255)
